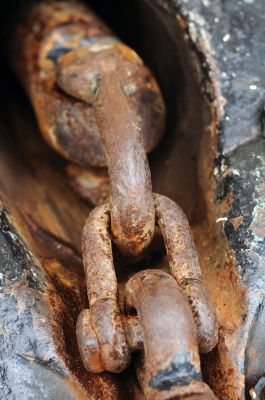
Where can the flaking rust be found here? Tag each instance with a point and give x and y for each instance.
(171, 364)
(49, 51)
(164, 325)
(96, 103)
(184, 266)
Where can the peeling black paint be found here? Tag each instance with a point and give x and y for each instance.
(180, 373)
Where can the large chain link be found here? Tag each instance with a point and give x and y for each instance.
(106, 338)
(97, 105)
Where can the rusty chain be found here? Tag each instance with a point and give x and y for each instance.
(98, 105)
(84, 85)
(106, 338)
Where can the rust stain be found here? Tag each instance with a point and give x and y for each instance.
(61, 52)
(184, 266)
(236, 222)
(77, 75)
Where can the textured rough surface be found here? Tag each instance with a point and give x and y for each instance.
(246, 182)
(208, 57)
(42, 280)
(160, 299)
(35, 358)
(185, 268)
(171, 363)
(102, 288)
(77, 76)
(228, 37)
(61, 52)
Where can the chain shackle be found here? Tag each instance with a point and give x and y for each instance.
(171, 366)
(103, 333)
(171, 360)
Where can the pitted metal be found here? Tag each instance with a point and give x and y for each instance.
(172, 366)
(49, 52)
(98, 105)
(166, 307)
(103, 292)
(132, 209)
(184, 266)
(171, 359)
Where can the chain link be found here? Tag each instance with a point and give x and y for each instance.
(106, 337)
(98, 105)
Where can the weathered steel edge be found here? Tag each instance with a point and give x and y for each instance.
(35, 362)
(21, 291)
(244, 175)
(228, 38)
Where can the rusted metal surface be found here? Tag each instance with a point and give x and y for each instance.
(64, 50)
(133, 332)
(69, 124)
(42, 286)
(90, 183)
(132, 208)
(132, 211)
(89, 346)
(103, 291)
(184, 266)
(88, 343)
(171, 363)
(165, 328)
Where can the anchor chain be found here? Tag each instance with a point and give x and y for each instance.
(98, 105)
(106, 337)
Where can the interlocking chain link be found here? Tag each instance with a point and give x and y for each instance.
(104, 334)
(98, 105)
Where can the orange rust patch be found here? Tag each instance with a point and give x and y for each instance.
(236, 222)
